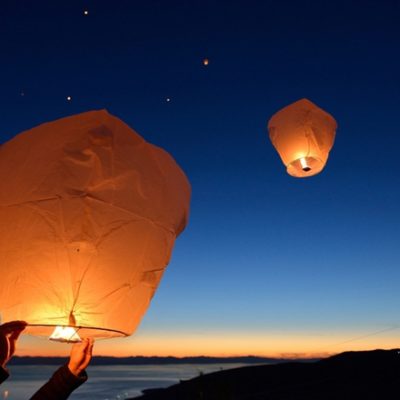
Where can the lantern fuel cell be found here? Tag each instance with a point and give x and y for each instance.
(89, 215)
(303, 135)
(304, 164)
(66, 334)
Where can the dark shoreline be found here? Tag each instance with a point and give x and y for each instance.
(364, 375)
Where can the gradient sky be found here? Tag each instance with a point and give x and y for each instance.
(269, 264)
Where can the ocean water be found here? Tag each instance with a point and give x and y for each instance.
(111, 382)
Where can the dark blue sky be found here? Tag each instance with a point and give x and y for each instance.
(264, 252)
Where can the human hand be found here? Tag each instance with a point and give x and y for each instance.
(9, 334)
(81, 354)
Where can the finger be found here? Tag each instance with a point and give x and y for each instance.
(90, 346)
(13, 342)
(3, 350)
(15, 335)
(79, 348)
(90, 350)
(3, 342)
(13, 326)
(11, 347)
(88, 355)
(85, 345)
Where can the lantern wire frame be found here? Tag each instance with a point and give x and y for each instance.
(65, 334)
(85, 331)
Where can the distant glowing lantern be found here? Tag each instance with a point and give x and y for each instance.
(206, 61)
(89, 215)
(303, 134)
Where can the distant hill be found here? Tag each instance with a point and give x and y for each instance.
(141, 360)
(366, 375)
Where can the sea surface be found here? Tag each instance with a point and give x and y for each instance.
(111, 382)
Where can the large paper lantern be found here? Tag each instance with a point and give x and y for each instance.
(89, 214)
(303, 134)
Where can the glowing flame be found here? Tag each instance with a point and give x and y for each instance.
(67, 334)
(304, 164)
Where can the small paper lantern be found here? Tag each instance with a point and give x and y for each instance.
(303, 134)
(89, 214)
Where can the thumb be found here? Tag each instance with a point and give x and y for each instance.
(4, 350)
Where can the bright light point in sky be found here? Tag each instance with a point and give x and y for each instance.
(168, 99)
(86, 12)
(205, 61)
(69, 98)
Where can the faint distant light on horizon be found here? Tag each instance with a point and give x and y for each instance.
(168, 99)
(69, 98)
(206, 61)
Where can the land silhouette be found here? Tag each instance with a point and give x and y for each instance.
(363, 375)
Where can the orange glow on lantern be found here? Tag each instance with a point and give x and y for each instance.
(89, 215)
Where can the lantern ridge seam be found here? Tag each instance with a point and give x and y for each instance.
(93, 198)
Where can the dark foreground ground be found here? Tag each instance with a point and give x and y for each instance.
(352, 375)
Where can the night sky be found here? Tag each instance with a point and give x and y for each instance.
(269, 264)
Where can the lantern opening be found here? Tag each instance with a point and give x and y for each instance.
(305, 166)
(66, 334)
